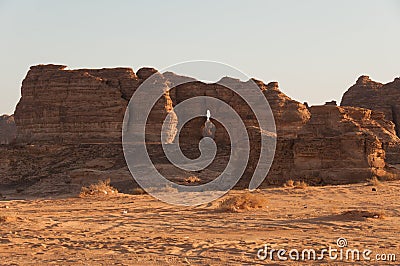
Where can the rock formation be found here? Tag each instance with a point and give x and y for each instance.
(69, 106)
(72, 120)
(340, 145)
(384, 98)
(376, 96)
(7, 129)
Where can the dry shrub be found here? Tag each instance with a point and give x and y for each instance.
(244, 202)
(295, 184)
(361, 214)
(192, 179)
(300, 185)
(374, 181)
(102, 188)
(289, 183)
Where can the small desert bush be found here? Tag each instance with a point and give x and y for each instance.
(363, 214)
(244, 202)
(289, 183)
(300, 185)
(192, 179)
(102, 188)
(295, 184)
(374, 181)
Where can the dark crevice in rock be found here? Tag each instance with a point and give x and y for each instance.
(396, 120)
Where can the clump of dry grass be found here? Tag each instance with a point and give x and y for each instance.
(295, 184)
(244, 202)
(374, 181)
(300, 185)
(102, 188)
(363, 214)
(289, 183)
(192, 179)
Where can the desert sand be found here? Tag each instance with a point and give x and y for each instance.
(141, 230)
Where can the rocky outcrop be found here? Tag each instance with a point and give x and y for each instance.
(384, 98)
(336, 145)
(70, 106)
(7, 129)
(376, 96)
(46, 170)
(341, 145)
(64, 106)
(73, 121)
(87, 106)
(290, 115)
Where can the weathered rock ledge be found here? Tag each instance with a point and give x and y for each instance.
(69, 125)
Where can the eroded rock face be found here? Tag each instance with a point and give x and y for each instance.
(73, 106)
(384, 98)
(336, 145)
(8, 130)
(340, 145)
(64, 106)
(46, 170)
(87, 106)
(74, 119)
(376, 96)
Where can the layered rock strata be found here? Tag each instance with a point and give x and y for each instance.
(384, 98)
(73, 119)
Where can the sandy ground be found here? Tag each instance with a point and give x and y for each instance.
(140, 230)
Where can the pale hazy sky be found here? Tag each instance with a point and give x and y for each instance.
(315, 49)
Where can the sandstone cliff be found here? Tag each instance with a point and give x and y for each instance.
(69, 106)
(73, 121)
(340, 145)
(376, 96)
(87, 106)
(384, 98)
